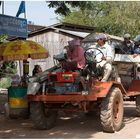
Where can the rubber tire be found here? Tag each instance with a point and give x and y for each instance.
(138, 105)
(41, 119)
(107, 116)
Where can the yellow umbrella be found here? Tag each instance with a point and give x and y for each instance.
(22, 50)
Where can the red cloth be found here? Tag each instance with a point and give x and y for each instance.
(77, 55)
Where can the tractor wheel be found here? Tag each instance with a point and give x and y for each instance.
(42, 118)
(138, 105)
(112, 111)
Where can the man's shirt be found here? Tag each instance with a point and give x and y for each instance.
(126, 48)
(107, 53)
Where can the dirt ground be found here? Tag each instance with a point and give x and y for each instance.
(77, 126)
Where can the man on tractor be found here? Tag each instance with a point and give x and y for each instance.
(75, 54)
(127, 45)
(106, 57)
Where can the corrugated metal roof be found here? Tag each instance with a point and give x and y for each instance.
(74, 27)
(91, 37)
(76, 33)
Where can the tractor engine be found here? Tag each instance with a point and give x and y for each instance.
(63, 82)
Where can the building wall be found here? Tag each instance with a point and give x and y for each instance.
(54, 43)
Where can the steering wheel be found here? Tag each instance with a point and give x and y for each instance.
(92, 53)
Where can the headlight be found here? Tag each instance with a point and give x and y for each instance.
(33, 88)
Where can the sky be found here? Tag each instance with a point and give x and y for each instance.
(36, 11)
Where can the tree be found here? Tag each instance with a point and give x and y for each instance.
(112, 17)
(64, 7)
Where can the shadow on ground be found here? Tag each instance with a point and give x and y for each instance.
(79, 126)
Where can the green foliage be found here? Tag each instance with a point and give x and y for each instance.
(115, 18)
(3, 38)
(5, 82)
(64, 7)
(7, 68)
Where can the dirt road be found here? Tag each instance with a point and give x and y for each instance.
(72, 126)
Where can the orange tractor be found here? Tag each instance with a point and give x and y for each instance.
(55, 89)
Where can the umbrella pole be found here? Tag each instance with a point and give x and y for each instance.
(20, 70)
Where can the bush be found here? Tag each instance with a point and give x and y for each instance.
(5, 82)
